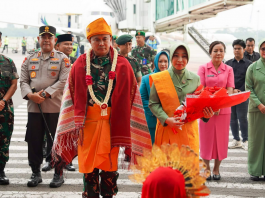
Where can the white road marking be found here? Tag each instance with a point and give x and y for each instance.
(63, 194)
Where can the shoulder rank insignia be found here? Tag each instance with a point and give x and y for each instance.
(66, 62)
(39, 53)
(24, 60)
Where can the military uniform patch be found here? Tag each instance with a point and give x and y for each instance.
(66, 62)
(39, 53)
(35, 59)
(33, 67)
(54, 59)
(52, 54)
(33, 74)
(53, 73)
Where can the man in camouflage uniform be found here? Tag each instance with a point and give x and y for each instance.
(114, 44)
(125, 44)
(143, 53)
(8, 86)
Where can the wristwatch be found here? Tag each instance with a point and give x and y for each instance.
(43, 94)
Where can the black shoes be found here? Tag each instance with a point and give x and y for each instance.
(57, 181)
(254, 178)
(216, 177)
(70, 167)
(209, 178)
(46, 167)
(34, 180)
(3, 179)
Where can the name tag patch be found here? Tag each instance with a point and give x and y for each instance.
(210, 75)
(54, 62)
(34, 62)
(34, 59)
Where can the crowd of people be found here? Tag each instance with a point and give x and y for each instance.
(108, 99)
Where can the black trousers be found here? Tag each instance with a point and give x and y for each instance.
(35, 134)
(23, 49)
(5, 47)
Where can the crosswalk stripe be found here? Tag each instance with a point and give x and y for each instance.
(20, 110)
(20, 118)
(63, 194)
(128, 182)
(51, 172)
(121, 172)
(22, 107)
(20, 122)
(20, 114)
(20, 127)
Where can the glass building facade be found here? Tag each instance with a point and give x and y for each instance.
(165, 8)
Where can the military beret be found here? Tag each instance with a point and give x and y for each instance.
(140, 33)
(114, 37)
(64, 37)
(124, 39)
(47, 29)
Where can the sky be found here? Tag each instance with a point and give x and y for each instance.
(28, 10)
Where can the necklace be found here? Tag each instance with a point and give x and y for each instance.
(89, 81)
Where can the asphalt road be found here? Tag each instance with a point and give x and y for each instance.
(234, 183)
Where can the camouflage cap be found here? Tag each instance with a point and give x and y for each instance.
(123, 39)
(140, 33)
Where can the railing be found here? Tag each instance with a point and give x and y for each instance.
(199, 39)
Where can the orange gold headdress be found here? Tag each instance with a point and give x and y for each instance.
(184, 159)
(99, 26)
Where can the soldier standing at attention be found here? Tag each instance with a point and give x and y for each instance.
(65, 44)
(124, 42)
(24, 44)
(47, 72)
(6, 41)
(143, 53)
(114, 44)
(8, 86)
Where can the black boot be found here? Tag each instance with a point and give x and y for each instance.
(57, 180)
(3, 179)
(70, 167)
(35, 178)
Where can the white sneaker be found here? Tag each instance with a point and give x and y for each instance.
(234, 144)
(245, 145)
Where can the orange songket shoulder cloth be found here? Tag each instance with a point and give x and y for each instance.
(169, 100)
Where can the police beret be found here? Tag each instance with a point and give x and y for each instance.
(114, 37)
(64, 37)
(140, 33)
(47, 29)
(124, 39)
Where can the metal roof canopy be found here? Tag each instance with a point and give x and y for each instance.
(196, 13)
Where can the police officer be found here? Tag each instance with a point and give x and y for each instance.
(65, 44)
(46, 71)
(143, 53)
(8, 86)
(124, 43)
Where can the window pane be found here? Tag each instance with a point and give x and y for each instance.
(164, 8)
(95, 13)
